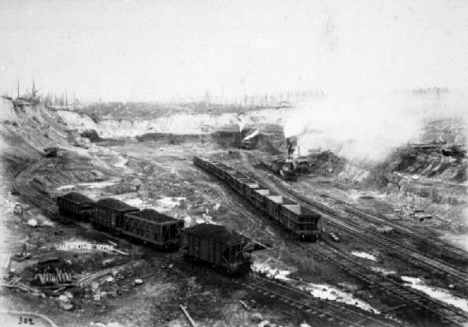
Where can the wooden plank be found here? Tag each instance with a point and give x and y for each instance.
(188, 316)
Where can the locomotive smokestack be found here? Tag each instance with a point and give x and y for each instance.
(291, 144)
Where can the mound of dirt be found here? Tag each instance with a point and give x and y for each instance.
(431, 164)
(169, 137)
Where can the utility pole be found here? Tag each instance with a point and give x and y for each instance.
(18, 88)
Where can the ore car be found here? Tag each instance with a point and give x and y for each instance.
(258, 196)
(249, 185)
(108, 214)
(301, 222)
(153, 227)
(218, 246)
(75, 204)
(273, 206)
(235, 181)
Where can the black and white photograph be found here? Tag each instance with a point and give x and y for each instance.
(233, 163)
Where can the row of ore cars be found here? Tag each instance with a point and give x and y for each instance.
(209, 243)
(212, 244)
(300, 221)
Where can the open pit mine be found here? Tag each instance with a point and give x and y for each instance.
(132, 214)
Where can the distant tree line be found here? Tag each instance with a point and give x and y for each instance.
(431, 90)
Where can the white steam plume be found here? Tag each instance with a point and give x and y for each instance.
(241, 123)
(367, 128)
(253, 134)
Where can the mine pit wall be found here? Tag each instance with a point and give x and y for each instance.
(179, 127)
(26, 131)
(178, 123)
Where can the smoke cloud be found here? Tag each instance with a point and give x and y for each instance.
(368, 127)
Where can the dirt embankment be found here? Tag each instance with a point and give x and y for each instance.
(26, 131)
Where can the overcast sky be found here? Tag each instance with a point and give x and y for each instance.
(155, 49)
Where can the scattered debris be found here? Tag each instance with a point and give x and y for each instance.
(120, 252)
(54, 278)
(108, 262)
(32, 222)
(334, 237)
(51, 152)
(8, 261)
(22, 256)
(257, 317)
(23, 287)
(385, 229)
(364, 255)
(192, 323)
(64, 303)
(18, 209)
(245, 305)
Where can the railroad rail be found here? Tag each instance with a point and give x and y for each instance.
(377, 280)
(334, 217)
(403, 295)
(331, 313)
(326, 310)
(372, 217)
(331, 215)
(22, 185)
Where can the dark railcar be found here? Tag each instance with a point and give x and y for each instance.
(258, 196)
(225, 171)
(153, 227)
(273, 206)
(75, 204)
(249, 185)
(216, 245)
(298, 220)
(235, 181)
(108, 214)
(304, 220)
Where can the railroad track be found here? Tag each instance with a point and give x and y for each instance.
(407, 294)
(332, 314)
(372, 217)
(334, 217)
(328, 311)
(22, 184)
(401, 295)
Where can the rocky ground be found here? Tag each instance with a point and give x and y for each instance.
(120, 283)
